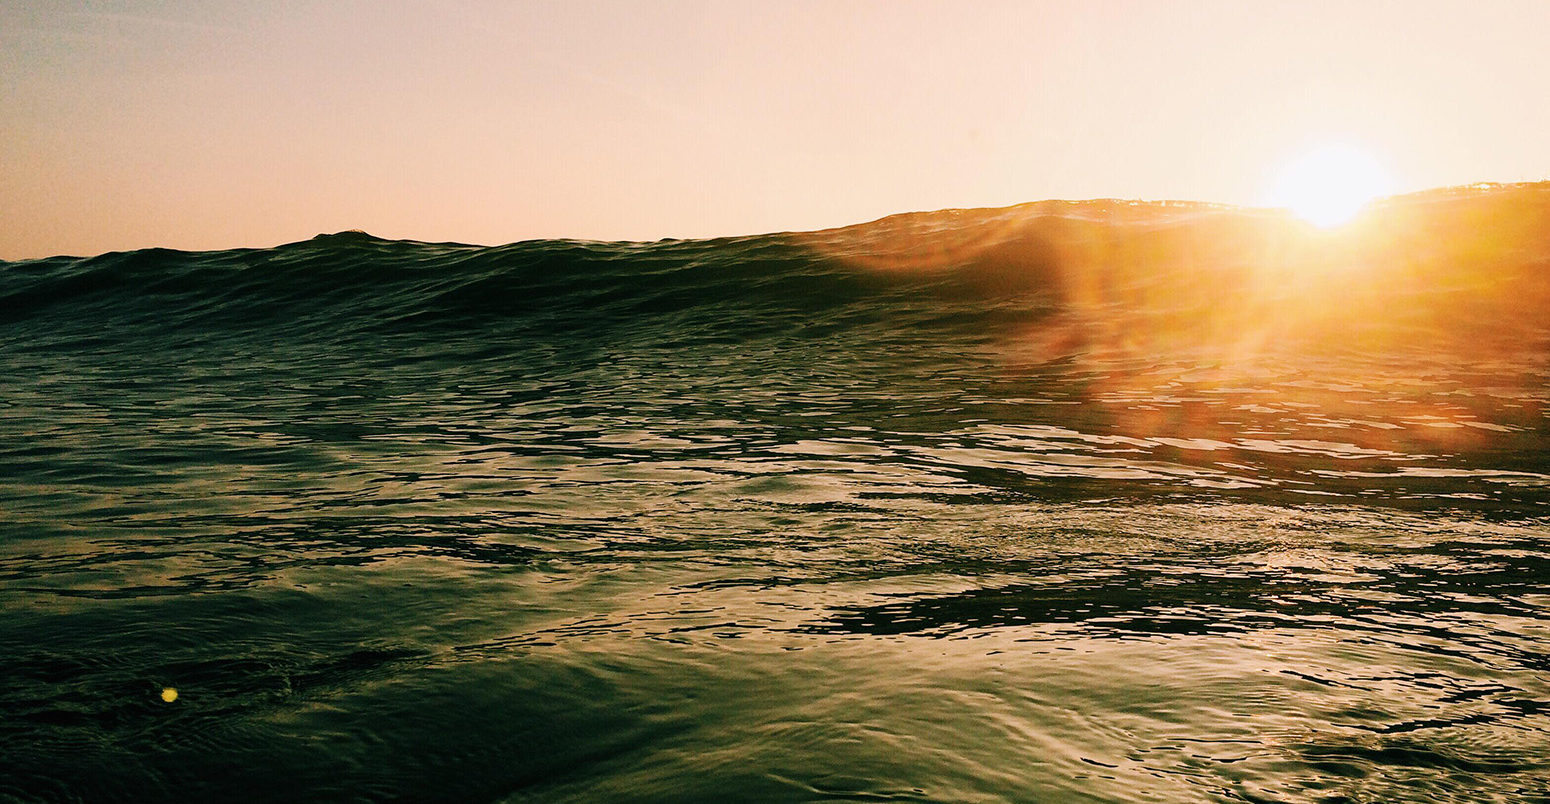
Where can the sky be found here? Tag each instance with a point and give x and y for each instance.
(218, 123)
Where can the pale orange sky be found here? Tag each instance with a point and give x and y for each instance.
(219, 124)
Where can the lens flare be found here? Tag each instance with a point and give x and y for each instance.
(1329, 185)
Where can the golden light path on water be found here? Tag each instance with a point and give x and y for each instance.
(1405, 290)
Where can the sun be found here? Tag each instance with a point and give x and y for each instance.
(1327, 186)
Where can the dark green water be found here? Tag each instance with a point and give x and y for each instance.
(777, 518)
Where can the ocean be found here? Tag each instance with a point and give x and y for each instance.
(1071, 501)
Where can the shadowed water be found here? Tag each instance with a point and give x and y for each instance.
(1089, 502)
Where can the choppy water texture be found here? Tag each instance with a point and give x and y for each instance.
(1064, 502)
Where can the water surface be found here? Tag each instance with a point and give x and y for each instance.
(1064, 502)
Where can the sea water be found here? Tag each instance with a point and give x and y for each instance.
(1092, 501)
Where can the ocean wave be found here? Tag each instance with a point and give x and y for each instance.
(1169, 271)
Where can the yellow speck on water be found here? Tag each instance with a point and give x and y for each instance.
(169, 694)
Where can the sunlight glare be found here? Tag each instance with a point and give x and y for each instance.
(1329, 185)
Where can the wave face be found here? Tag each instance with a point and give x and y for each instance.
(1060, 501)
